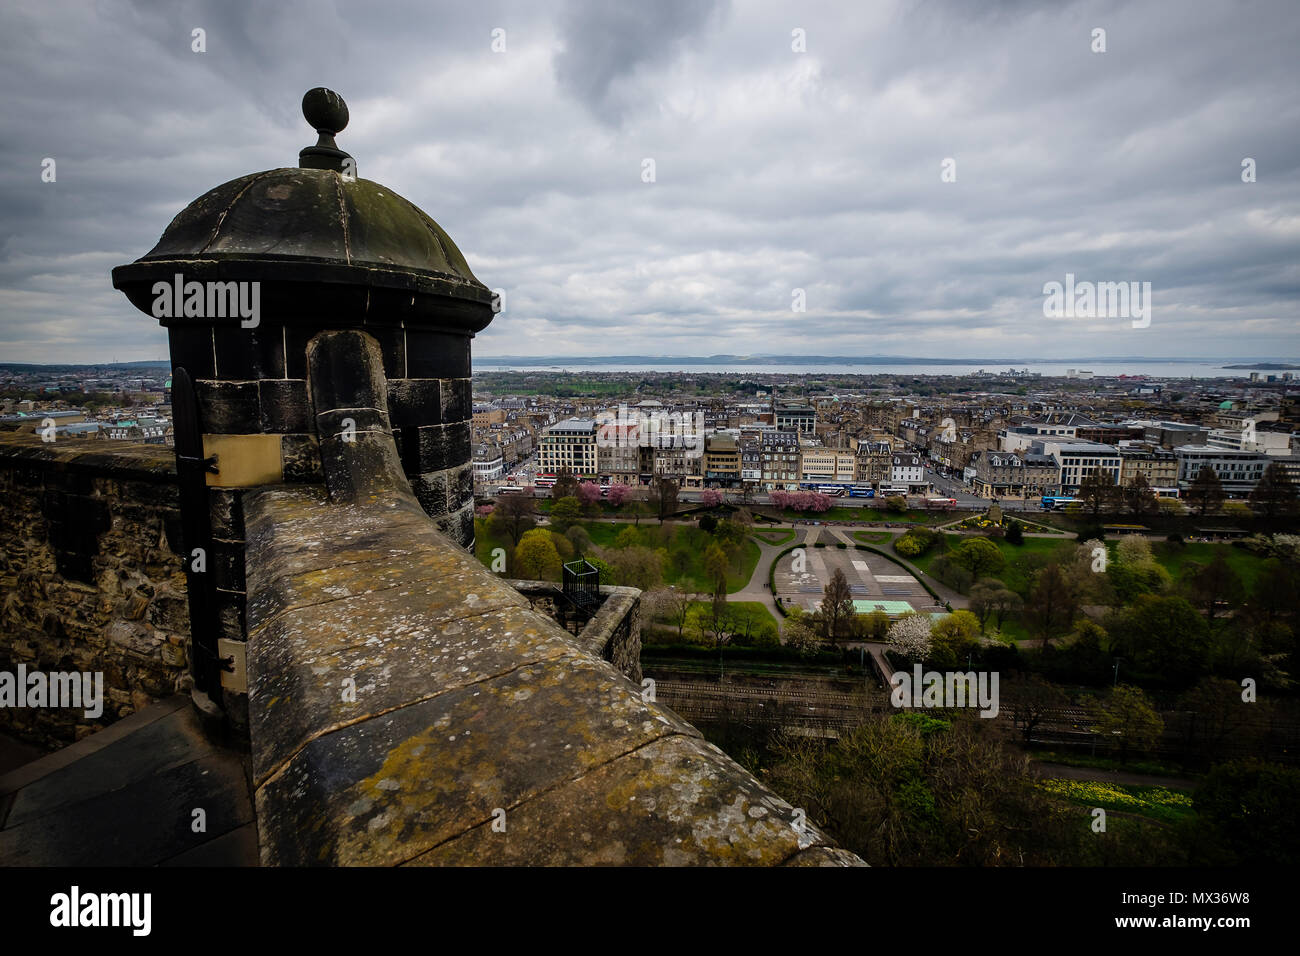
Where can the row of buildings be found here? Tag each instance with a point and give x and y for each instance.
(995, 448)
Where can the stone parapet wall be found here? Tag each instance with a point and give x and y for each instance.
(90, 577)
(614, 632)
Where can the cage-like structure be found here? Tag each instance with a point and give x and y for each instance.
(581, 584)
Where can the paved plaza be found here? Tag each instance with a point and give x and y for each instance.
(873, 580)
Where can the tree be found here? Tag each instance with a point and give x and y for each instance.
(1217, 717)
(1163, 636)
(1206, 492)
(716, 566)
(979, 556)
(954, 637)
(1214, 586)
(1053, 603)
(663, 497)
(718, 623)
(1250, 806)
(566, 485)
(981, 603)
(618, 494)
(910, 636)
(589, 496)
(536, 557)
(1139, 497)
(708, 523)
(1034, 700)
(1274, 496)
(837, 605)
(564, 513)
(512, 516)
(579, 538)
(1097, 492)
(1015, 534)
(711, 497)
(637, 567)
(896, 504)
(873, 626)
(1128, 715)
(674, 606)
(801, 631)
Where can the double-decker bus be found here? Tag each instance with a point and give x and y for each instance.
(1057, 502)
(835, 491)
(1166, 492)
(544, 481)
(861, 491)
(510, 490)
(947, 504)
(886, 490)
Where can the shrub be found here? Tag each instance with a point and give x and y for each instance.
(1015, 534)
(915, 542)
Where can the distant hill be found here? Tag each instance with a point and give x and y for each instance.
(28, 367)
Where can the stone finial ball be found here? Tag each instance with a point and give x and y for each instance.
(325, 110)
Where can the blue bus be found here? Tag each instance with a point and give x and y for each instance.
(861, 491)
(1056, 502)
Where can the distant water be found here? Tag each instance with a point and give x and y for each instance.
(1180, 370)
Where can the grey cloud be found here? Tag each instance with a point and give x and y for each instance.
(606, 43)
(776, 170)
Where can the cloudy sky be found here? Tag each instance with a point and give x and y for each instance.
(775, 169)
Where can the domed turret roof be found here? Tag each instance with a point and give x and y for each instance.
(313, 223)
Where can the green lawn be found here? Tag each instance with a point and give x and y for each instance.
(873, 516)
(685, 544)
(1246, 563)
(873, 537)
(1018, 557)
(774, 535)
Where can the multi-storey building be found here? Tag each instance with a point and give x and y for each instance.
(722, 461)
(489, 464)
(907, 468)
(1238, 471)
(828, 465)
(999, 474)
(618, 452)
(669, 455)
(1158, 465)
(751, 461)
(1174, 434)
(485, 414)
(1079, 459)
(795, 418)
(780, 460)
(1251, 439)
(570, 446)
(875, 462)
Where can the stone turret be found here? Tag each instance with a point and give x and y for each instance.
(243, 279)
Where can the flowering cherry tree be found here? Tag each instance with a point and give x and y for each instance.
(910, 636)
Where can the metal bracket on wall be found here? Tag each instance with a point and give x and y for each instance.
(234, 669)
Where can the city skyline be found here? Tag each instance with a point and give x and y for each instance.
(799, 159)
